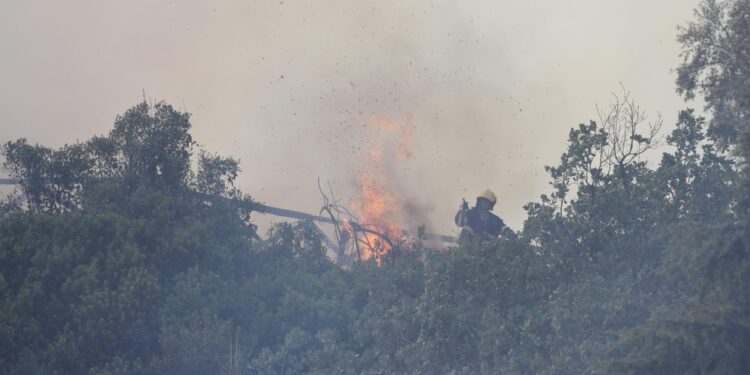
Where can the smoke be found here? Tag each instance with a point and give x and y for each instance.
(385, 198)
(490, 88)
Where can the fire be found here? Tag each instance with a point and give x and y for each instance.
(404, 134)
(379, 207)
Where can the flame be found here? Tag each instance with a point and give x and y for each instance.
(378, 210)
(379, 207)
(403, 133)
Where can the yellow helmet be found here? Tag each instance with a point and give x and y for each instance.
(488, 195)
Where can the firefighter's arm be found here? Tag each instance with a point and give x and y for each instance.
(461, 218)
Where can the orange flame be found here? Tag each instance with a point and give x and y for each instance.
(379, 207)
(378, 210)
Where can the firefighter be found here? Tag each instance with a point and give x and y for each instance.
(478, 220)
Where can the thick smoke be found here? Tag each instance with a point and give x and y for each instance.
(286, 86)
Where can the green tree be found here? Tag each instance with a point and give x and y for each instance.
(706, 327)
(51, 180)
(153, 143)
(700, 182)
(716, 48)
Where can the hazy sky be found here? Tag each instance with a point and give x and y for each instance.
(491, 87)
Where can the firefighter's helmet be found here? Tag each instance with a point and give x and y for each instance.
(488, 195)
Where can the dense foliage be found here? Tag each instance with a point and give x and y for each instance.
(124, 259)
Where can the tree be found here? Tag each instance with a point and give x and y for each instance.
(699, 182)
(716, 48)
(216, 175)
(704, 326)
(612, 207)
(148, 144)
(715, 51)
(51, 180)
(153, 143)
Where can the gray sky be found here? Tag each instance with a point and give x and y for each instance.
(491, 87)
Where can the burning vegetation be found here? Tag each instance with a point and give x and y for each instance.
(381, 206)
(118, 255)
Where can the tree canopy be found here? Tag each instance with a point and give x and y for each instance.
(133, 253)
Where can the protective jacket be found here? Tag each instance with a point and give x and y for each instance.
(484, 225)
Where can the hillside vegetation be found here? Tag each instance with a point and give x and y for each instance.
(134, 253)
